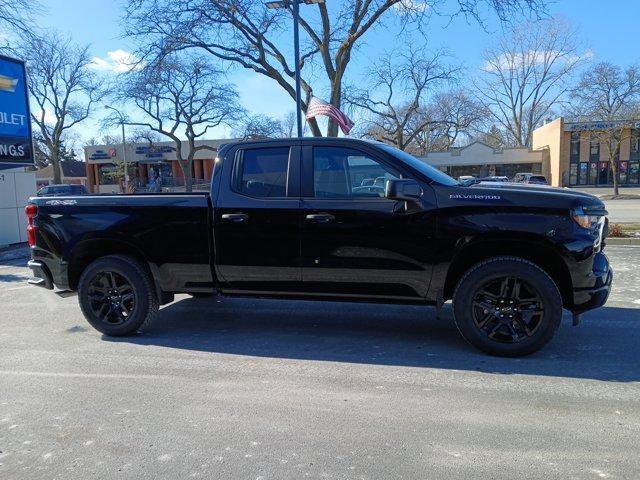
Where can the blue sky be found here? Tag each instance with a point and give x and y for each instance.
(606, 28)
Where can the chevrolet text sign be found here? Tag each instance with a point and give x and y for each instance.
(16, 146)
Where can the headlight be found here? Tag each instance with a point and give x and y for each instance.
(585, 221)
(588, 219)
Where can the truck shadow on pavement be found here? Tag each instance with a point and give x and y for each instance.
(603, 347)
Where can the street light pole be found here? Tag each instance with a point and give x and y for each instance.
(296, 47)
(124, 158)
(124, 148)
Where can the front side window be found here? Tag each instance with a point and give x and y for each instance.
(346, 173)
(262, 172)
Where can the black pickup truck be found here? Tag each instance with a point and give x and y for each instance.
(332, 219)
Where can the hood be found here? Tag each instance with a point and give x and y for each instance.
(518, 194)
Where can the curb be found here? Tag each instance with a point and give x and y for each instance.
(623, 241)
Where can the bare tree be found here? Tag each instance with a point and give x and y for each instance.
(492, 136)
(12, 14)
(608, 97)
(526, 75)
(395, 102)
(249, 35)
(288, 123)
(455, 118)
(182, 99)
(63, 87)
(263, 126)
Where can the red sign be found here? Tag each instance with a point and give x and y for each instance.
(112, 152)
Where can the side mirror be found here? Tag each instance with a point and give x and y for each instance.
(405, 190)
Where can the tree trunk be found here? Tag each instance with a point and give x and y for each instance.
(336, 96)
(313, 126)
(55, 162)
(188, 178)
(616, 176)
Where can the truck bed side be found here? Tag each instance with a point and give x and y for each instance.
(170, 233)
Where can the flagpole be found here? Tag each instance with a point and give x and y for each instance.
(295, 5)
(296, 43)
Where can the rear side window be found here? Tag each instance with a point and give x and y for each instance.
(63, 190)
(262, 172)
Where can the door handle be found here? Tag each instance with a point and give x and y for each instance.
(235, 217)
(320, 217)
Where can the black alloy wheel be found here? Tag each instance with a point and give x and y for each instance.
(117, 295)
(507, 309)
(507, 306)
(111, 297)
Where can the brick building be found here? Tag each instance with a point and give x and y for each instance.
(577, 156)
(145, 162)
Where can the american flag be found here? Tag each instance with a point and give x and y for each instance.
(320, 107)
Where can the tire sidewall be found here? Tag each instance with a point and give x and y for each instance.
(512, 267)
(141, 293)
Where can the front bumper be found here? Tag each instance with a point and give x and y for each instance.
(596, 295)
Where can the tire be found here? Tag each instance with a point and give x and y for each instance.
(491, 318)
(117, 295)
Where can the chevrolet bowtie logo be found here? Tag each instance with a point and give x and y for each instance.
(8, 84)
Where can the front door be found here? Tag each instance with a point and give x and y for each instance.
(356, 242)
(256, 220)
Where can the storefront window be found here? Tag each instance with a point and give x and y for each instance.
(623, 167)
(575, 147)
(635, 144)
(594, 150)
(593, 173)
(603, 173)
(573, 174)
(583, 171)
(107, 174)
(633, 173)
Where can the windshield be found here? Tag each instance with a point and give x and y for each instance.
(432, 173)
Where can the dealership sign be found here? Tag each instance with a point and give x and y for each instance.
(16, 146)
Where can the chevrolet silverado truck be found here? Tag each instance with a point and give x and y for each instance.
(332, 219)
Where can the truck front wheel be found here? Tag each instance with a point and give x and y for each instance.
(116, 295)
(507, 306)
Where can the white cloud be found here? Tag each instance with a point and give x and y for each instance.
(117, 61)
(515, 61)
(411, 6)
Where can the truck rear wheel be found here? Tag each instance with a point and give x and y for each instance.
(507, 306)
(116, 295)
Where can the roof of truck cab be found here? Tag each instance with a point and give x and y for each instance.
(303, 140)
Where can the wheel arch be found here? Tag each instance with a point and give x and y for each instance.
(87, 251)
(538, 252)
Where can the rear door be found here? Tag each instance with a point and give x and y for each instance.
(356, 242)
(256, 219)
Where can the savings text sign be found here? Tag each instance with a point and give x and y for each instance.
(16, 146)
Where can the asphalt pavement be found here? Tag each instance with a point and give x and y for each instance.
(265, 389)
(623, 211)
